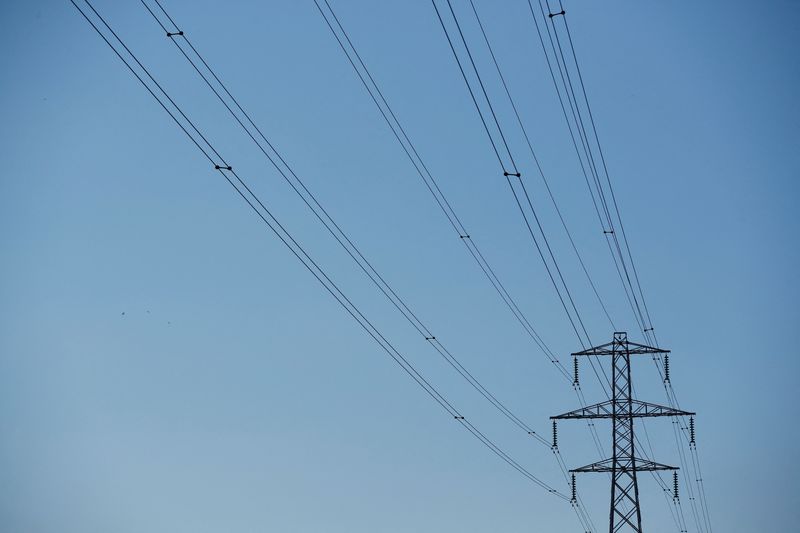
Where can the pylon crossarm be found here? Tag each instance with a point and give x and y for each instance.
(639, 409)
(607, 465)
(611, 348)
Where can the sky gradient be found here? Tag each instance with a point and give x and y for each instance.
(166, 365)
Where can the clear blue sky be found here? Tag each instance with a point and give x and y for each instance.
(234, 394)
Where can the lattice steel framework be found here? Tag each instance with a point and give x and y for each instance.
(625, 513)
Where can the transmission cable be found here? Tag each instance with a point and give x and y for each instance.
(575, 110)
(299, 252)
(369, 75)
(336, 231)
(432, 185)
(658, 362)
(507, 174)
(643, 318)
(518, 175)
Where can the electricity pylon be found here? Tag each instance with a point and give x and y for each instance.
(625, 514)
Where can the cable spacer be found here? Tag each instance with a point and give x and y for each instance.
(507, 174)
(551, 15)
(463, 237)
(430, 338)
(173, 34)
(218, 167)
(458, 417)
(606, 231)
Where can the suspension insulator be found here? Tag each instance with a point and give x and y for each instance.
(555, 434)
(675, 494)
(575, 371)
(574, 492)
(666, 368)
(691, 430)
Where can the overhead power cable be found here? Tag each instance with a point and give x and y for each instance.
(575, 321)
(516, 196)
(629, 277)
(411, 152)
(611, 236)
(265, 215)
(494, 116)
(539, 166)
(603, 220)
(178, 35)
(386, 111)
(648, 329)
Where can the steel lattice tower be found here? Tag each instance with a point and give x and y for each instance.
(625, 513)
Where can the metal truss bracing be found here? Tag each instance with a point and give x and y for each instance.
(639, 409)
(623, 344)
(607, 465)
(625, 513)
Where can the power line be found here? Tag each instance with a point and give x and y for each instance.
(258, 207)
(300, 188)
(643, 318)
(581, 129)
(658, 362)
(379, 94)
(384, 114)
(431, 183)
(575, 110)
(603, 224)
(519, 204)
(507, 174)
(538, 164)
